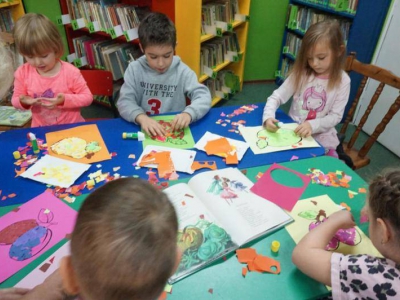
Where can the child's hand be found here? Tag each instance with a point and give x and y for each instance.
(13, 293)
(50, 103)
(150, 126)
(304, 130)
(269, 124)
(181, 121)
(342, 219)
(28, 101)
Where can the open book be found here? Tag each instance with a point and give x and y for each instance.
(217, 214)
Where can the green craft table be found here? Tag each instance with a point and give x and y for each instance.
(223, 279)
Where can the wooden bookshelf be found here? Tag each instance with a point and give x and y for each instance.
(189, 38)
(17, 10)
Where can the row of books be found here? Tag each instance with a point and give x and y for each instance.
(292, 44)
(107, 16)
(286, 67)
(6, 20)
(349, 6)
(301, 18)
(225, 83)
(101, 53)
(219, 50)
(218, 11)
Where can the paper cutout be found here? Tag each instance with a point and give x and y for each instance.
(330, 179)
(181, 159)
(239, 146)
(76, 147)
(256, 262)
(40, 273)
(245, 255)
(55, 171)
(181, 139)
(204, 164)
(352, 241)
(87, 133)
(37, 226)
(263, 141)
(162, 159)
(284, 196)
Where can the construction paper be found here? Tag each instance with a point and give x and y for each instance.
(182, 159)
(87, 133)
(240, 146)
(55, 171)
(197, 165)
(282, 195)
(52, 263)
(181, 139)
(30, 230)
(263, 141)
(309, 212)
(162, 159)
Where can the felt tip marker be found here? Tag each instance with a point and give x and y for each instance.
(133, 135)
(278, 124)
(34, 143)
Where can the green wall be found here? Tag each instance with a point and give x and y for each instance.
(50, 9)
(264, 42)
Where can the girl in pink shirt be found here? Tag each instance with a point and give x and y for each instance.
(54, 90)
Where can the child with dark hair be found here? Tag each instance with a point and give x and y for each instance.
(124, 246)
(159, 82)
(359, 276)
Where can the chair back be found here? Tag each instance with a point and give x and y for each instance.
(384, 77)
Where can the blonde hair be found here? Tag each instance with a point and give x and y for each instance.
(35, 34)
(327, 31)
(6, 69)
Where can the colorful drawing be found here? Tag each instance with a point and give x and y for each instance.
(28, 237)
(201, 242)
(226, 188)
(282, 138)
(76, 147)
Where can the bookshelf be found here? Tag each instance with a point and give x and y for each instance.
(191, 40)
(13, 9)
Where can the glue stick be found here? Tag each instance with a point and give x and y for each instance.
(278, 124)
(34, 143)
(133, 135)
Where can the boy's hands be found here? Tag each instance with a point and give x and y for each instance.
(150, 126)
(181, 121)
(269, 124)
(304, 130)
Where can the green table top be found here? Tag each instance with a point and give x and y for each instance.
(224, 277)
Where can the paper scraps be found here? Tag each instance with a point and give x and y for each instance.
(234, 125)
(162, 159)
(335, 179)
(257, 262)
(197, 165)
(76, 147)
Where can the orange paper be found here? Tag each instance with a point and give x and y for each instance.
(196, 165)
(86, 132)
(163, 160)
(218, 146)
(266, 264)
(246, 255)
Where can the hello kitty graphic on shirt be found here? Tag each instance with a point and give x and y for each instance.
(314, 100)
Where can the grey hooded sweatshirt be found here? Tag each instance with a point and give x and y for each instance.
(147, 91)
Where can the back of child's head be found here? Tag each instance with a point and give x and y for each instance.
(6, 69)
(124, 242)
(330, 33)
(384, 198)
(156, 29)
(35, 35)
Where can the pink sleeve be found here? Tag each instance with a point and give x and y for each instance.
(335, 273)
(81, 95)
(19, 89)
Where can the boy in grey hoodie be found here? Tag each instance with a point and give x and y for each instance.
(159, 82)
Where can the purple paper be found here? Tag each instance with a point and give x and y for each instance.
(31, 229)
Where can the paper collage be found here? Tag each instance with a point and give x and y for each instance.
(55, 171)
(309, 213)
(31, 229)
(263, 141)
(83, 144)
(181, 139)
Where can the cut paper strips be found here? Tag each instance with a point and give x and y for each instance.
(282, 195)
(240, 147)
(308, 215)
(182, 159)
(335, 179)
(181, 139)
(55, 171)
(31, 230)
(263, 141)
(82, 144)
(39, 274)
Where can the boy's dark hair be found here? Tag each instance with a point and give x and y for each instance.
(384, 198)
(156, 29)
(124, 242)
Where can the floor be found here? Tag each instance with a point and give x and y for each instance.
(381, 158)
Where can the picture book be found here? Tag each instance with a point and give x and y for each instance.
(263, 141)
(217, 213)
(10, 116)
(311, 212)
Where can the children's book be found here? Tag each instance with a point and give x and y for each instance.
(217, 213)
(10, 116)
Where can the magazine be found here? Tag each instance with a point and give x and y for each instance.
(217, 213)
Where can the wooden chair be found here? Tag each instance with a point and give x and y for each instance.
(385, 77)
(100, 82)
